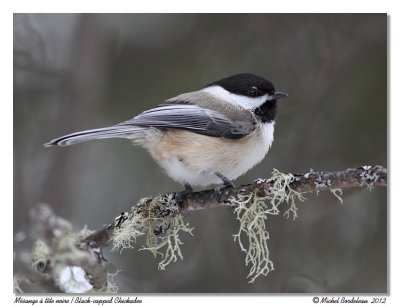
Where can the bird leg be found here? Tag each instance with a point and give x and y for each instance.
(179, 195)
(226, 182)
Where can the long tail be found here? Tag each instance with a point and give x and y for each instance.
(116, 131)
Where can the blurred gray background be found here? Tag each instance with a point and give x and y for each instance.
(75, 72)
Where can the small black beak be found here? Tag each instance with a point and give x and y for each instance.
(278, 95)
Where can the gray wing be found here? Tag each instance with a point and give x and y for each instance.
(196, 112)
(186, 116)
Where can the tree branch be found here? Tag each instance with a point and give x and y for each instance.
(313, 181)
(74, 262)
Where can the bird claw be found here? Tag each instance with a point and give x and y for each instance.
(218, 189)
(180, 194)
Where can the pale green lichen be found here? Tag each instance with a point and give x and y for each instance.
(252, 212)
(168, 244)
(125, 236)
(82, 234)
(17, 279)
(337, 192)
(282, 192)
(160, 220)
(40, 253)
(111, 283)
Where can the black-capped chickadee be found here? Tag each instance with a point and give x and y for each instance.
(203, 137)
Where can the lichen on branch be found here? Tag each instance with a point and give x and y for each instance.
(252, 212)
(160, 221)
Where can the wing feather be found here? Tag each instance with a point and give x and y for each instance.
(175, 114)
(193, 118)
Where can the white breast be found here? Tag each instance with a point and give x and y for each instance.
(255, 151)
(231, 158)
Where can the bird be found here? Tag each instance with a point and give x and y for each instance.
(209, 136)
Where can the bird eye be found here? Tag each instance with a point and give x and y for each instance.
(253, 91)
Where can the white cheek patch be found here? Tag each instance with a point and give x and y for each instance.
(243, 101)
